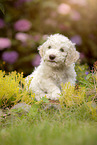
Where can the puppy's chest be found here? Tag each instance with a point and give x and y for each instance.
(59, 77)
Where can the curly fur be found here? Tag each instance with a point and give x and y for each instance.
(58, 55)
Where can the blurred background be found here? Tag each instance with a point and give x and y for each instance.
(26, 24)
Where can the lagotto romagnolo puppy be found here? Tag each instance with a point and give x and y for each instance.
(58, 55)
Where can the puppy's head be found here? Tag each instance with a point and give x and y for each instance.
(58, 50)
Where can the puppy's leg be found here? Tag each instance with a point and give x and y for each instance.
(55, 93)
(51, 89)
(39, 94)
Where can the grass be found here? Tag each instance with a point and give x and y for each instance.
(49, 127)
(75, 123)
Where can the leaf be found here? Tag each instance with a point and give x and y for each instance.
(88, 76)
(45, 100)
(86, 83)
(2, 8)
(80, 68)
(83, 82)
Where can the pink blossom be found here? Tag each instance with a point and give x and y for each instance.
(36, 37)
(75, 15)
(76, 39)
(64, 9)
(4, 43)
(10, 57)
(22, 25)
(2, 24)
(23, 37)
(36, 60)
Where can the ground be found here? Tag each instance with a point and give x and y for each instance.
(43, 127)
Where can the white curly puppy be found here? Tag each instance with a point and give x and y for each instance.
(57, 65)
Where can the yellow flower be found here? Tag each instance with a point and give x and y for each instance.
(70, 96)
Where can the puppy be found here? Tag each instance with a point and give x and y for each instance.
(58, 55)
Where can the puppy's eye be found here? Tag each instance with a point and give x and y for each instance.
(61, 49)
(49, 47)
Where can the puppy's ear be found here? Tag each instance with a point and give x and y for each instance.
(40, 48)
(72, 56)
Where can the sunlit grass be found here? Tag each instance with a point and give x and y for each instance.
(68, 127)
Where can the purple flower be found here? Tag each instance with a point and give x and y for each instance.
(4, 43)
(36, 60)
(2, 24)
(86, 72)
(10, 57)
(76, 39)
(23, 37)
(22, 25)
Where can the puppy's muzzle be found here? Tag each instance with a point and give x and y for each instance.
(52, 57)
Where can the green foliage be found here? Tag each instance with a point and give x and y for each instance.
(12, 89)
(72, 97)
(84, 95)
(2, 8)
(78, 98)
(85, 92)
(89, 81)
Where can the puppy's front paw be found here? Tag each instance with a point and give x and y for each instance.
(55, 96)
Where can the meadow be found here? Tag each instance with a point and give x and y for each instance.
(72, 120)
(41, 127)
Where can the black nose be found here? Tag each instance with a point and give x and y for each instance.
(52, 56)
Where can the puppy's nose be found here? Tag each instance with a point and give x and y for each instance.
(52, 57)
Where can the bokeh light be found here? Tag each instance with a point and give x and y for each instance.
(26, 24)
